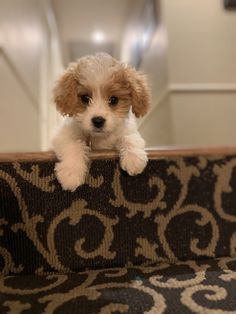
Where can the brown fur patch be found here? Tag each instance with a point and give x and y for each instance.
(118, 86)
(68, 92)
(65, 93)
(124, 82)
(140, 92)
(122, 108)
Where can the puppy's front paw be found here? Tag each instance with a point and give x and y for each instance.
(70, 177)
(133, 164)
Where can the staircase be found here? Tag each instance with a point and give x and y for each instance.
(160, 242)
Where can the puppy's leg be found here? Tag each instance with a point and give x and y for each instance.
(73, 154)
(133, 158)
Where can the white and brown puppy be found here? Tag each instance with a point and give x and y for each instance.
(100, 96)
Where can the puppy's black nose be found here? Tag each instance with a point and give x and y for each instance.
(98, 122)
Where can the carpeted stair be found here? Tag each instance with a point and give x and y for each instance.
(160, 242)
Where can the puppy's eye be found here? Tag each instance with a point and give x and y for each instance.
(113, 100)
(85, 99)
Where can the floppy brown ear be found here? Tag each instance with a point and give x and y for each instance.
(65, 93)
(140, 92)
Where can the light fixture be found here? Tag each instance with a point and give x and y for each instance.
(98, 37)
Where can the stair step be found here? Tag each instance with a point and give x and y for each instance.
(179, 208)
(185, 287)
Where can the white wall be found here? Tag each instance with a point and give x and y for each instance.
(156, 126)
(193, 49)
(154, 64)
(78, 19)
(201, 71)
(30, 60)
(203, 119)
(20, 49)
(21, 38)
(202, 41)
(19, 122)
(51, 68)
(201, 58)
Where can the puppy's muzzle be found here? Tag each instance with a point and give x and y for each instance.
(98, 122)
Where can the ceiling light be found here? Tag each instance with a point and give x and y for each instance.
(98, 37)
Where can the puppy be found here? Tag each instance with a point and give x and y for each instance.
(99, 97)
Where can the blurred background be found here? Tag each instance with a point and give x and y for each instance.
(186, 47)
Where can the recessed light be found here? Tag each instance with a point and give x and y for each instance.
(98, 37)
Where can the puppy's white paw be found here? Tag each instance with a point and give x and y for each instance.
(133, 164)
(70, 177)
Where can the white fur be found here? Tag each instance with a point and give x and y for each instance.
(77, 136)
(71, 147)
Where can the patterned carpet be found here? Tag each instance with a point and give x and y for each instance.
(186, 287)
(161, 242)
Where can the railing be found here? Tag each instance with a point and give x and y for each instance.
(153, 153)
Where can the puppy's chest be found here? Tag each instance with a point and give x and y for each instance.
(103, 143)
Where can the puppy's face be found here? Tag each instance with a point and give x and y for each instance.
(98, 92)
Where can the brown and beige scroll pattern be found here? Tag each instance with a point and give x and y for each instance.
(29, 224)
(104, 286)
(54, 301)
(75, 213)
(87, 289)
(43, 183)
(155, 211)
(233, 245)
(147, 249)
(228, 273)
(200, 275)
(222, 185)
(184, 174)
(16, 307)
(9, 265)
(60, 279)
(216, 294)
(114, 308)
(134, 207)
(94, 182)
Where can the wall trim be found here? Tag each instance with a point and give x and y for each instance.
(188, 88)
(158, 152)
(202, 88)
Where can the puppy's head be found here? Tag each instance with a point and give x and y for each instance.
(98, 91)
